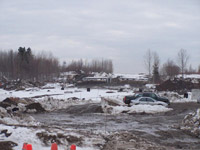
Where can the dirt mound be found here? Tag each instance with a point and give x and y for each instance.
(7, 145)
(73, 98)
(59, 138)
(35, 106)
(5, 132)
(86, 108)
(127, 140)
(177, 85)
(11, 100)
(8, 102)
(191, 123)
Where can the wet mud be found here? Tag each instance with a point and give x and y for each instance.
(129, 131)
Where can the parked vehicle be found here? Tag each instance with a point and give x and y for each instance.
(127, 99)
(147, 101)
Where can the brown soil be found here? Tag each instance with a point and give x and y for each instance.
(37, 106)
(7, 145)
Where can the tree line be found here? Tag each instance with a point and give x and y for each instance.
(24, 64)
(96, 65)
(169, 69)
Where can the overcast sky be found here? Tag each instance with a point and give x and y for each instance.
(121, 30)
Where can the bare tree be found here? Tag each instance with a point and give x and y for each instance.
(104, 65)
(25, 65)
(148, 61)
(182, 59)
(170, 69)
(191, 70)
(199, 69)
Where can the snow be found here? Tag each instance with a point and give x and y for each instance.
(53, 98)
(190, 76)
(150, 86)
(140, 76)
(140, 109)
(174, 97)
(22, 135)
(132, 76)
(4, 94)
(10, 119)
(121, 108)
(55, 92)
(191, 123)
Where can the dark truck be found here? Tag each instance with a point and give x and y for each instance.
(127, 99)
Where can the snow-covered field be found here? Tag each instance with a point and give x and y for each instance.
(51, 97)
(54, 91)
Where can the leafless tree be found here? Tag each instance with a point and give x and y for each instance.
(199, 69)
(182, 59)
(148, 61)
(191, 70)
(170, 69)
(25, 65)
(104, 65)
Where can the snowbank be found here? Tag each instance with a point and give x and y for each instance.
(41, 139)
(54, 90)
(20, 135)
(191, 76)
(52, 104)
(174, 97)
(191, 123)
(16, 119)
(115, 105)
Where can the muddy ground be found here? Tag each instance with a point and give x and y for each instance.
(126, 131)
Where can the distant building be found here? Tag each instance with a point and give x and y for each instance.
(101, 79)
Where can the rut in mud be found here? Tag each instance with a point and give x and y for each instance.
(161, 129)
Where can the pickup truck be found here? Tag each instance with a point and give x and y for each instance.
(127, 99)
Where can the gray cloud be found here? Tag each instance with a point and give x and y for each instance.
(115, 29)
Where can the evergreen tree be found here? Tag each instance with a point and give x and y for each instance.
(156, 75)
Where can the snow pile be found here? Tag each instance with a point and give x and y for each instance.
(115, 105)
(191, 123)
(190, 76)
(41, 139)
(140, 109)
(16, 119)
(137, 77)
(174, 97)
(21, 135)
(150, 86)
(102, 74)
(52, 104)
(12, 112)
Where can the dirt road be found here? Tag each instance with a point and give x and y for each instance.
(127, 131)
